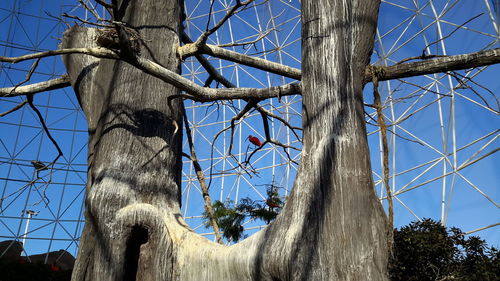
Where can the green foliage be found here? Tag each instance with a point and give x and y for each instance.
(476, 261)
(426, 250)
(230, 216)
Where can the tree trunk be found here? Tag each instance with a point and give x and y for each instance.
(134, 173)
(344, 222)
(332, 226)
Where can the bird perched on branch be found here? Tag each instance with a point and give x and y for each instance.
(254, 140)
(273, 203)
(39, 166)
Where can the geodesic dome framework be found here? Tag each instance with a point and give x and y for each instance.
(442, 130)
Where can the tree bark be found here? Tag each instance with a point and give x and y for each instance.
(335, 224)
(134, 164)
(332, 226)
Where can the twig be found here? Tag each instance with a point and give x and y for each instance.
(28, 76)
(451, 33)
(92, 11)
(104, 4)
(15, 108)
(251, 103)
(244, 168)
(270, 140)
(203, 37)
(421, 57)
(59, 19)
(260, 37)
(262, 110)
(201, 178)
(421, 88)
(249, 106)
(459, 78)
(86, 21)
(277, 143)
(389, 130)
(19, 190)
(385, 159)
(209, 17)
(29, 99)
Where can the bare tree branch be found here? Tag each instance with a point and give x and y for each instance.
(91, 10)
(277, 143)
(29, 98)
(52, 84)
(462, 80)
(192, 49)
(193, 91)
(437, 65)
(203, 37)
(96, 52)
(451, 33)
(201, 179)
(262, 110)
(218, 77)
(208, 66)
(270, 140)
(104, 4)
(250, 104)
(385, 160)
(251, 42)
(15, 108)
(258, 63)
(216, 136)
(41, 166)
(199, 93)
(28, 76)
(215, 75)
(86, 21)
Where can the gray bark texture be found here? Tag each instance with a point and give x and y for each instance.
(332, 226)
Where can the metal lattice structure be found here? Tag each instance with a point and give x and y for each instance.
(443, 131)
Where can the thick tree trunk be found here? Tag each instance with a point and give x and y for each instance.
(344, 223)
(134, 151)
(331, 228)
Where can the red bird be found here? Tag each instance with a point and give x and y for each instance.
(254, 140)
(272, 204)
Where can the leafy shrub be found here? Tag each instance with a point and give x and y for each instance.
(426, 250)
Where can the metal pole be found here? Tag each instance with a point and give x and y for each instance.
(30, 214)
